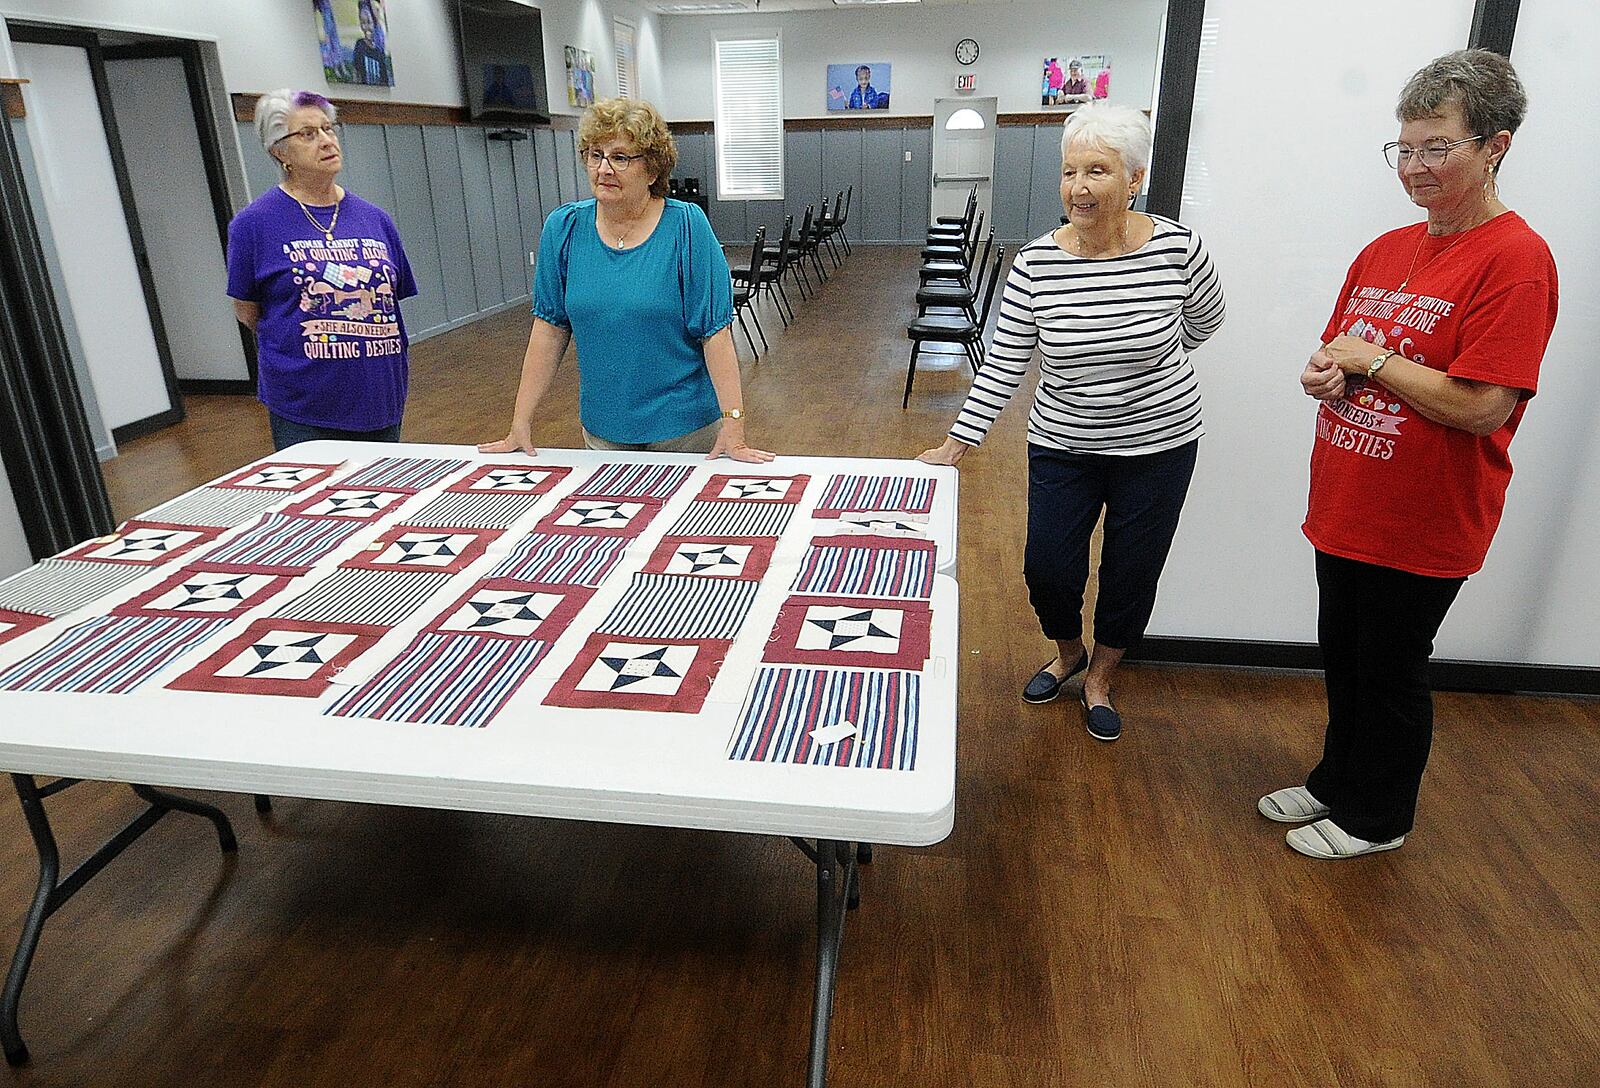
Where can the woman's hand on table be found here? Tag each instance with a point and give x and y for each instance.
(730, 443)
(947, 454)
(1322, 379)
(519, 440)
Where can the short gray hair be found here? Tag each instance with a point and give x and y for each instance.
(273, 110)
(1481, 83)
(1122, 129)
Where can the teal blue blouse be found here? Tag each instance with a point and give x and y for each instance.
(640, 318)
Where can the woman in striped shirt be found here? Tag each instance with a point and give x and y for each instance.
(1114, 301)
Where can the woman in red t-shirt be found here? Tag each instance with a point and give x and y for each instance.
(1425, 370)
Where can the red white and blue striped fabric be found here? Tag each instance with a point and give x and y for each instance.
(279, 541)
(870, 568)
(403, 473)
(110, 655)
(562, 559)
(906, 494)
(460, 680)
(634, 481)
(785, 706)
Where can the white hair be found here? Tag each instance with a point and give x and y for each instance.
(1122, 129)
(273, 110)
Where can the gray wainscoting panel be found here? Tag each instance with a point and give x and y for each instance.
(450, 222)
(842, 151)
(507, 218)
(366, 164)
(802, 172)
(764, 213)
(544, 156)
(875, 205)
(567, 168)
(529, 219)
(916, 185)
(259, 172)
(1045, 210)
(413, 217)
(484, 238)
(1012, 200)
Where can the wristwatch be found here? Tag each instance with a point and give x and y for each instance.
(733, 413)
(1377, 364)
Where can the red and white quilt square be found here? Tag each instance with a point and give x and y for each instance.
(278, 476)
(853, 631)
(147, 543)
(13, 623)
(508, 608)
(511, 479)
(712, 556)
(600, 517)
(198, 591)
(407, 547)
(728, 488)
(624, 673)
(277, 656)
(348, 503)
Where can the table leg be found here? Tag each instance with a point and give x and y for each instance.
(837, 889)
(53, 891)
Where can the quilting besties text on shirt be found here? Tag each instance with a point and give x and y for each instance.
(347, 287)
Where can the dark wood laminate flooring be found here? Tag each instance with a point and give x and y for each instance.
(1102, 914)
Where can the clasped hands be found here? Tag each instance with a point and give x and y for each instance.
(1325, 373)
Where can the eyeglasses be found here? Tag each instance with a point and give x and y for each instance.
(313, 133)
(594, 157)
(1432, 154)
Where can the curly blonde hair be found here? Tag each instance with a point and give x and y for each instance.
(640, 124)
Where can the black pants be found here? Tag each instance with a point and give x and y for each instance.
(1142, 497)
(1376, 627)
(286, 433)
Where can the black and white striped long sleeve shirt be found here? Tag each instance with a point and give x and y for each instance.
(1114, 337)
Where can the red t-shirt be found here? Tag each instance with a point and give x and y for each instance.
(1389, 486)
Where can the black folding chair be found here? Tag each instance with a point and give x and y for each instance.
(947, 225)
(776, 266)
(950, 294)
(958, 270)
(746, 282)
(953, 329)
(956, 250)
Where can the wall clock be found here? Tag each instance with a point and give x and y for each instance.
(966, 50)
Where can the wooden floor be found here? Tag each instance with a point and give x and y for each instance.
(1102, 915)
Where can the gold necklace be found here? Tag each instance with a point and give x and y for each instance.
(327, 231)
(1412, 269)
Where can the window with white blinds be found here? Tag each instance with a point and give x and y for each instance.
(749, 120)
(624, 35)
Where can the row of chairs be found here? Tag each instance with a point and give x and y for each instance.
(797, 255)
(952, 280)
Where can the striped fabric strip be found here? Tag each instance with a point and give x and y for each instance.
(733, 519)
(279, 540)
(403, 473)
(109, 655)
(907, 494)
(482, 510)
(381, 598)
(457, 680)
(224, 507)
(681, 606)
(785, 705)
(55, 587)
(867, 571)
(635, 481)
(562, 559)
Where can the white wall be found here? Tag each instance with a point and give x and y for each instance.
(920, 42)
(265, 44)
(14, 553)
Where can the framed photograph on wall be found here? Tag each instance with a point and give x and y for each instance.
(859, 86)
(580, 76)
(354, 36)
(1073, 80)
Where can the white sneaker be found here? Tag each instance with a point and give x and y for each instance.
(1326, 840)
(1291, 806)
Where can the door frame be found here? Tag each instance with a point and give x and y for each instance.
(32, 33)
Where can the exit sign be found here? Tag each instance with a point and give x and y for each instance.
(967, 81)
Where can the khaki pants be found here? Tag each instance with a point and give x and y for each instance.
(699, 441)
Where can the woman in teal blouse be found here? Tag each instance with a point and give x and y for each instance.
(640, 281)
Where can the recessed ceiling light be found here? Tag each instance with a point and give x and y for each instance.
(707, 7)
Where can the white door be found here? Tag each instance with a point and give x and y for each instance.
(963, 153)
(161, 145)
(91, 233)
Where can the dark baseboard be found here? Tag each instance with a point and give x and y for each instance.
(217, 386)
(148, 425)
(1488, 676)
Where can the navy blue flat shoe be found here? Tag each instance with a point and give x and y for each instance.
(1103, 721)
(1045, 686)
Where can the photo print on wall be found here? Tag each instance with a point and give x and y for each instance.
(580, 76)
(1072, 81)
(859, 86)
(354, 36)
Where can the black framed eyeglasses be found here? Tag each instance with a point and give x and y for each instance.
(1431, 154)
(312, 133)
(594, 158)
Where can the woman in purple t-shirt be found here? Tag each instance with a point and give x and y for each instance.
(317, 274)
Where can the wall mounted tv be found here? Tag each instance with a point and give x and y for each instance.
(502, 61)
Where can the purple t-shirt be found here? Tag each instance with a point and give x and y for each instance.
(331, 344)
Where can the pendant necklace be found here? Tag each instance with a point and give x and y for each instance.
(327, 231)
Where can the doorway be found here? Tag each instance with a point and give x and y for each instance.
(963, 154)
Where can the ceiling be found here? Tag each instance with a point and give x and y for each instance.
(765, 7)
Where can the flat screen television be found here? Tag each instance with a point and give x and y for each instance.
(502, 61)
